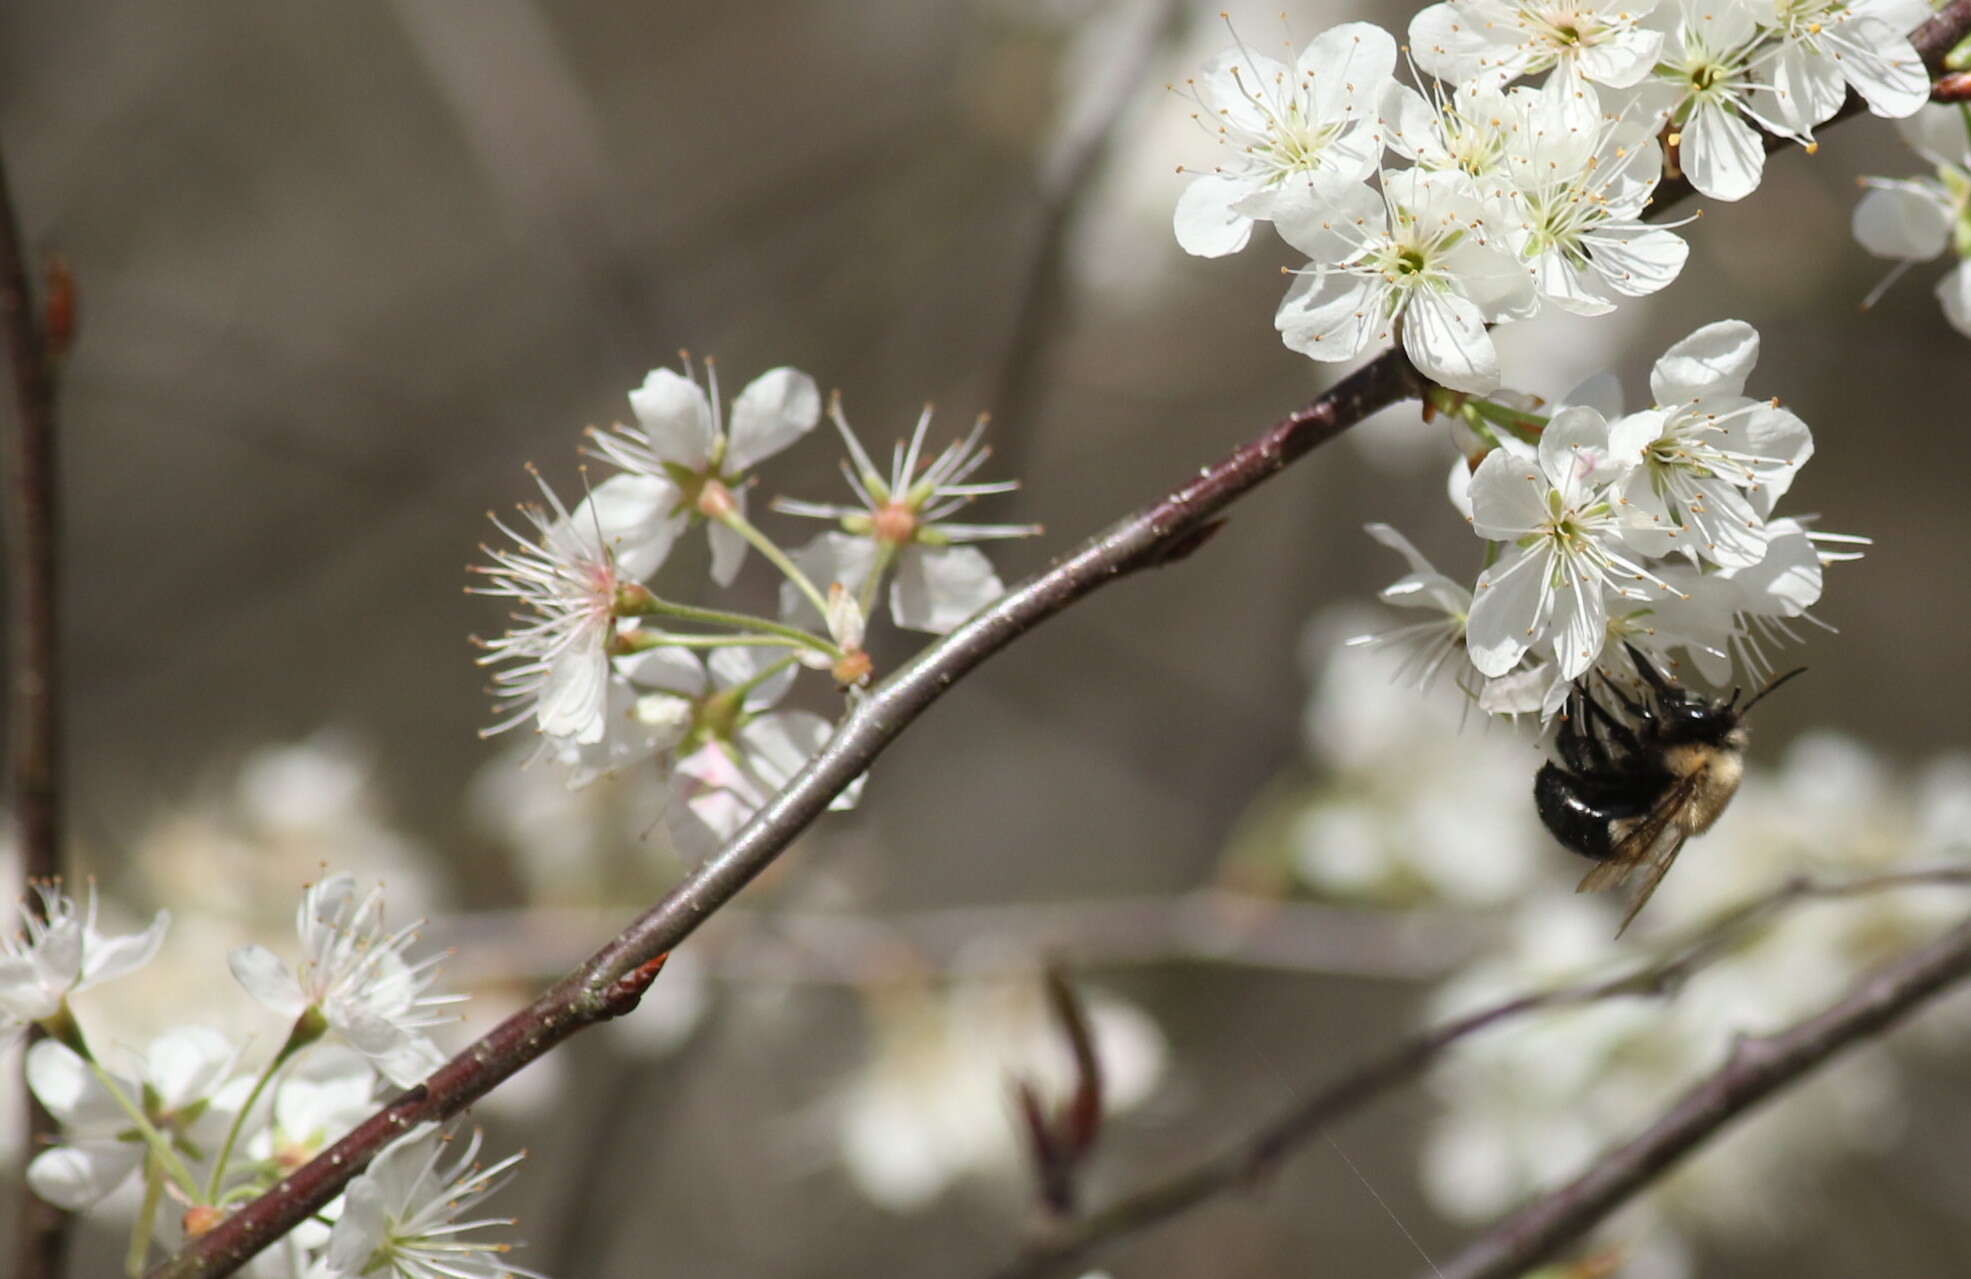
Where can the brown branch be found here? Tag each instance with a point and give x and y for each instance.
(1757, 1068)
(1162, 532)
(1157, 534)
(1240, 1167)
(33, 707)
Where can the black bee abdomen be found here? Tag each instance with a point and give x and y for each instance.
(1581, 813)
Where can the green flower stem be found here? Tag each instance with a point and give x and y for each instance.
(792, 635)
(160, 1145)
(140, 1229)
(639, 641)
(738, 692)
(886, 553)
(1527, 426)
(777, 557)
(308, 1027)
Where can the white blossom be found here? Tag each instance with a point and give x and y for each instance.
(401, 1215)
(1602, 41)
(1578, 186)
(568, 575)
(1915, 219)
(60, 952)
(1413, 258)
(1707, 462)
(902, 520)
(734, 751)
(681, 440)
(1707, 81)
(1294, 133)
(1825, 47)
(356, 977)
(180, 1085)
(1568, 553)
(1433, 641)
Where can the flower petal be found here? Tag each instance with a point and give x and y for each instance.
(937, 587)
(776, 408)
(676, 417)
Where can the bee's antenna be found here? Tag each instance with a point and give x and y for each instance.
(1798, 670)
(1733, 703)
(1649, 672)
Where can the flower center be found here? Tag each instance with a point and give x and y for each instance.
(895, 523)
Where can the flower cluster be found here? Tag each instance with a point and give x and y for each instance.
(1915, 219)
(1605, 530)
(1430, 214)
(593, 659)
(201, 1133)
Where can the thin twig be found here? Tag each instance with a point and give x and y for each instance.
(607, 984)
(1243, 1164)
(33, 706)
(847, 948)
(1066, 174)
(1756, 1069)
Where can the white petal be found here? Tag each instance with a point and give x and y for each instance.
(1206, 223)
(186, 1063)
(1882, 66)
(70, 1090)
(1603, 393)
(828, 559)
(1715, 360)
(1508, 496)
(728, 547)
(776, 408)
(74, 1177)
(1722, 154)
(1580, 623)
(745, 663)
(107, 958)
(1445, 337)
(1620, 63)
(677, 418)
(1330, 316)
(1807, 88)
(1508, 611)
(672, 670)
(637, 519)
(1450, 46)
(937, 587)
(574, 693)
(1326, 225)
(1638, 260)
(1954, 294)
(268, 980)
(779, 744)
(1907, 220)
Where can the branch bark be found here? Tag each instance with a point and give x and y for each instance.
(605, 986)
(33, 692)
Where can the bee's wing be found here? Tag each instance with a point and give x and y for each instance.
(1651, 847)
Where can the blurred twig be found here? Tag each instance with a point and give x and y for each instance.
(1757, 1068)
(836, 948)
(1069, 1248)
(33, 710)
(1066, 173)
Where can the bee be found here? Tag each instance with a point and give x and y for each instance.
(1638, 777)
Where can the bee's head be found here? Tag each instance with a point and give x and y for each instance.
(1686, 716)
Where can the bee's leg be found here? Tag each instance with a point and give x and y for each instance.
(1654, 677)
(1618, 732)
(1620, 694)
(1579, 748)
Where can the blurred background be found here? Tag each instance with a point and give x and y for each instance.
(345, 269)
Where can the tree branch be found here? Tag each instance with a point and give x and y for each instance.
(608, 984)
(1756, 1069)
(33, 706)
(604, 986)
(1243, 1165)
